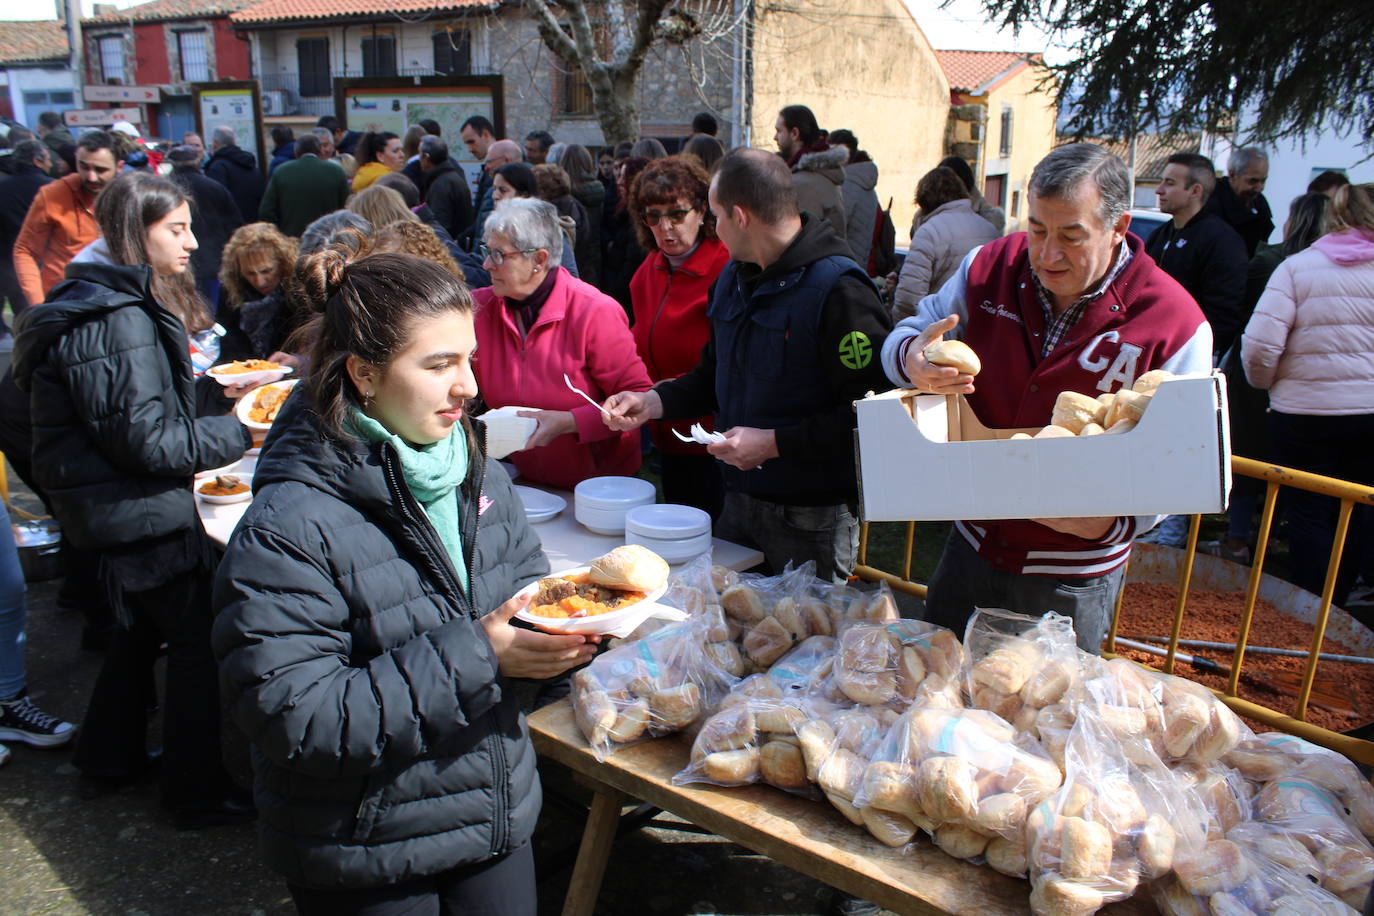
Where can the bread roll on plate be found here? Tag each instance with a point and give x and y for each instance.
(954, 353)
(631, 567)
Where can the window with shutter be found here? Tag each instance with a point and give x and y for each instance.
(453, 52)
(195, 62)
(312, 55)
(1005, 145)
(112, 58)
(379, 56)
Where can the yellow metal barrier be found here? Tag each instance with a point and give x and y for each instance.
(1274, 476)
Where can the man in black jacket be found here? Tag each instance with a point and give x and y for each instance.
(30, 162)
(796, 327)
(215, 217)
(1239, 197)
(236, 169)
(1198, 248)
(445, 187)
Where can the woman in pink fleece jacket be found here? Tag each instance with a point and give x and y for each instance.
(1310, 342)
(537, 322)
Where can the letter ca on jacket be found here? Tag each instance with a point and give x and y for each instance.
(1096, 358)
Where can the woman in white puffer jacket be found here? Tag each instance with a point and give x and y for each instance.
(1310, 342)
(948, 231)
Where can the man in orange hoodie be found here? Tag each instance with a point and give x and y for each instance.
(61, 219)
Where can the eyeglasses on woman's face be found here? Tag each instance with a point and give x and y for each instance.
(675, 216)
(497, 257)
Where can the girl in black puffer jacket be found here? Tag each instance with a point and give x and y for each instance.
(116, 440)
(365, 602)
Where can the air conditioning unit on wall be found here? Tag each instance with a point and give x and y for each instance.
(276, 102)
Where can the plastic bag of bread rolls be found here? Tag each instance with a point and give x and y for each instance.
(767, 615)
(662, 682)
(776, 702)
(1315, 817)
(837, 745)
(1114, 824)
(961, 776)
(1250, 873)
(886, 663)
(1018, 665)
(1269, 756)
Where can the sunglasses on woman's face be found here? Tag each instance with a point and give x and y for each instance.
(653, 217)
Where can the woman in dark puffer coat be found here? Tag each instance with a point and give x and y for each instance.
(116, 440)
(365, 602)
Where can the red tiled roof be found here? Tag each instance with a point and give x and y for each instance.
(286, 10)
(970, 71)
(1152, 151)
(31, 42)
(170, 9)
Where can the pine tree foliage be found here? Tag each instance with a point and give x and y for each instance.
(1301, 67)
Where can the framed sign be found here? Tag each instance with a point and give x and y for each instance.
(395, 103)
(236, 104)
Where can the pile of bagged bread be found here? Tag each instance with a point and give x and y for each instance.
(1094, 779)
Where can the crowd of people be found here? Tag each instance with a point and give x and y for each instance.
(358, 625)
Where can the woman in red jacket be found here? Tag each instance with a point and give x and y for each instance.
(669, 293)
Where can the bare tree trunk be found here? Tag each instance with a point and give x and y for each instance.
(633, 26)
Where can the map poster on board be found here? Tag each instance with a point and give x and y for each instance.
(395, 103)
(234, 104)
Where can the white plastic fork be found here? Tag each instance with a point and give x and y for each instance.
(567, 381)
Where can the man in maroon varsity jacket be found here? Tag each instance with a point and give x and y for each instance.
(1075, 304)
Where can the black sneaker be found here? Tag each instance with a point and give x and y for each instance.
(20, 720)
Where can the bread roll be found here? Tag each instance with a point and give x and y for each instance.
(1054, 432)
(911, 671)
(1128, 405)
(869, 688)
(630, 723)
(888, 828)
(726, 657)
(1073, 411)
(1002, 814)
(892, 787)
(722, 577)
(866, 649)
(717, 629)
(842, 774)
(1221, 735)
(1119, 427)
(1155, 846)
(959, 841)
(728, 730)
(631, 567)
(816, 615)
(1005, 670)
(781, 765)
(732, 767)
(1022, 436)
(595, 715)
(780, 718)
(1085, 849)
(1186, 717)
(1047, 685)
(1057, 896)
(785, 612)
(1007, 856)
(1282, 849)
(946, 789)
(766, 642)
(1091, 429)
(846, 807)
(676, 707)
(817, 738)
(954, 353)
(743, 603)
(1148, 382)
(1345, 869)
(1120, 809)
(1218, 866)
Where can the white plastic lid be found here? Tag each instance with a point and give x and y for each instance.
(668, 522)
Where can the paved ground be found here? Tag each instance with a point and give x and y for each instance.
(119, 855)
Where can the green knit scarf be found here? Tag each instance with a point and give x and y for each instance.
(433, 473)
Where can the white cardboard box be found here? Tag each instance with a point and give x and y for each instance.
(925, 457)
